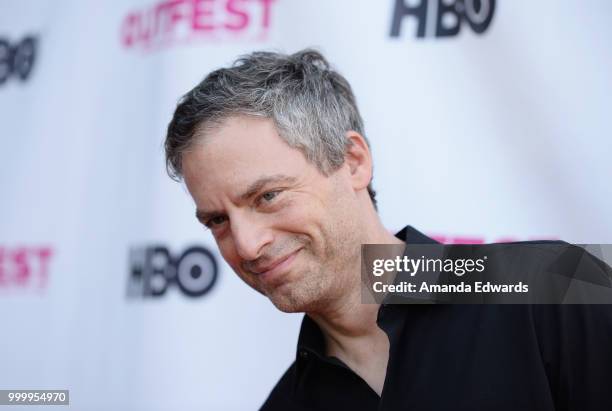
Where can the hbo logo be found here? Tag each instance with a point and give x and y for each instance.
(153, 270)
(17, 59)
(442, 18)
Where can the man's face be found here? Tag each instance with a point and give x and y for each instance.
(286, 229)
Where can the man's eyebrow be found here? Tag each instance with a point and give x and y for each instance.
(261, 182)
(204, 216)
(251, 190)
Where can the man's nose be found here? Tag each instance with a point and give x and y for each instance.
(250, 237)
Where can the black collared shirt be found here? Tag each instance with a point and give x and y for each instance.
(464, 357)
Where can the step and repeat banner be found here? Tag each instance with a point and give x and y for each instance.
(489, 121)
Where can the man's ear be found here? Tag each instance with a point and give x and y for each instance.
(358, 159)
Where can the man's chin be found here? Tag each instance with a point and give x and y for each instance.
(289, 303)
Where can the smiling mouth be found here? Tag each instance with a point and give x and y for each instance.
(277, 267)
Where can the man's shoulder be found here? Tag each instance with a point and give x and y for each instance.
(281, 396)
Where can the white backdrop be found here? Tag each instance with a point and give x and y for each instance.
(476, 137)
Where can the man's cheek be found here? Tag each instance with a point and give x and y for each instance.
(234, 262)
(229, 254)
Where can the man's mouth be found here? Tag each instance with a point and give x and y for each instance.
(277, 266)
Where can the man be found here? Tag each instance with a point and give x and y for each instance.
(273, 152)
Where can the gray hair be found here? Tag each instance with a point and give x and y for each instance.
(311, 105)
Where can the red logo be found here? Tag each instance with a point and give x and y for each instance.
(462, 239)
(177, 21)
(24, 267)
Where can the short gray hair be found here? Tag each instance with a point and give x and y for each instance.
(312, 106)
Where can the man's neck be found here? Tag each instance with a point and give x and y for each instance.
(350, 330)
(352, 335)
(344, 315)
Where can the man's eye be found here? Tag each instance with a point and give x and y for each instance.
(269, 196)
(215, 221)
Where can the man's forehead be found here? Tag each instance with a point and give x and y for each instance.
(238, 128)
(243, 144)
(241, 172)
(239, 158)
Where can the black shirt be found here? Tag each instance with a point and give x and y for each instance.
(464, 357)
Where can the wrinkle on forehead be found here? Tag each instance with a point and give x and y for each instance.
(230, 158)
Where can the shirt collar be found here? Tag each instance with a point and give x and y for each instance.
(410, 235)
